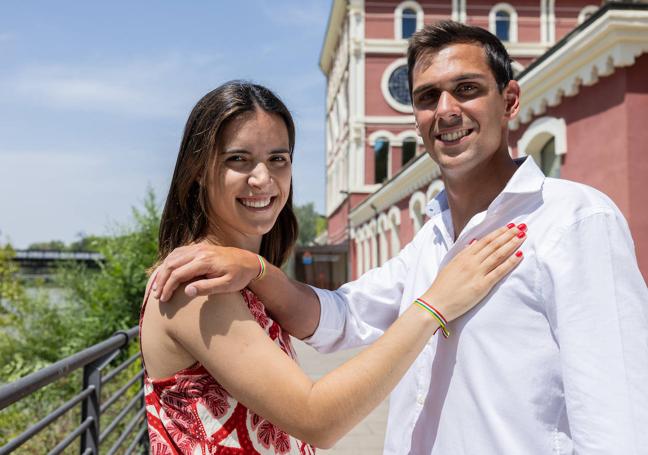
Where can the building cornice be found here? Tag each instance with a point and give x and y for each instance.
(526, 49)
(612, 38)
(419, 173)
(333, 30)
(385, 46)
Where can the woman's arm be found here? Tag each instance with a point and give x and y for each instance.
(226, 339)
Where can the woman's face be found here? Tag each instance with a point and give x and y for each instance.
(251, 178)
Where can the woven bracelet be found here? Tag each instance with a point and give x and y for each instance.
(443, 324)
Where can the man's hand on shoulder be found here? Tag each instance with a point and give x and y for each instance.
(208, 269)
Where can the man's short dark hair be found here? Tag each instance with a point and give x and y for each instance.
(433, 37)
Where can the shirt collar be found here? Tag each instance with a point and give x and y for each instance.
(528, 178)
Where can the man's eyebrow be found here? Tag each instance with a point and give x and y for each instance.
(280, 150)
(461, 78)
(235, 150)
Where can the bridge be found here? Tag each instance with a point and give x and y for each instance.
(42, 263)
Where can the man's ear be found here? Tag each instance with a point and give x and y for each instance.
(511, 95)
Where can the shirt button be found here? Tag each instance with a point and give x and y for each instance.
(420, 400)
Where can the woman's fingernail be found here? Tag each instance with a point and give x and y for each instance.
(191, 291)
(522, 227)
(154, 287)
(518, 254)
(521, 234)
(510, 225)
(472, 241)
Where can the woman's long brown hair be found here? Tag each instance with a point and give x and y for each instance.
(185, 216)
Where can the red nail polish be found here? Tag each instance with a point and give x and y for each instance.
(518, 254)
(510, 225)
(522, 227)
(521, 234)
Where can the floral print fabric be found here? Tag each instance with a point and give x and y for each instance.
(191, 413)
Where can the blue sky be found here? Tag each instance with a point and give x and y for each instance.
(94, 97)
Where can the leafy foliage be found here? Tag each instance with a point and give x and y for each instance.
(94, 305)
(311, 224)
(37, 330)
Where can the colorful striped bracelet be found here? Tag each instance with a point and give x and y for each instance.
(262, 268)
(443, 324)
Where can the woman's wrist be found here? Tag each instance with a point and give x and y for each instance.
(434, 314)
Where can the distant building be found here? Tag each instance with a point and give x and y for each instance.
(583, 69)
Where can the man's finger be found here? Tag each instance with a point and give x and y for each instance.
(209, 286)
(182, 274)
(172, 262)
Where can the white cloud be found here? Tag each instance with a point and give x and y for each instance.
(153, 88)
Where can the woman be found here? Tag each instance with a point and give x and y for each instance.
(220, 373)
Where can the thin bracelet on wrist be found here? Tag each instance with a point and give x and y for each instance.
(262, 268)
(443, 323)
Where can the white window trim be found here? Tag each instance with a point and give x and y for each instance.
(383, 134)
(398, 17)
(384, 87)
(539, 132)
(417, 210)
(589, 9)
(508, 8)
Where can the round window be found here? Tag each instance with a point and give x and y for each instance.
(399, 85)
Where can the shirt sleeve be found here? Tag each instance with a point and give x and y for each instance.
(359, 312)
(598, 308)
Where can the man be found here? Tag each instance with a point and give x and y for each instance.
(555, 359)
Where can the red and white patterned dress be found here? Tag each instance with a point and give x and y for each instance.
(191, 413)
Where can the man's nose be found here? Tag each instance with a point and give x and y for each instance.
(448, 107)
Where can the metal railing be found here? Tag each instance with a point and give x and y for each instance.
(90, 432)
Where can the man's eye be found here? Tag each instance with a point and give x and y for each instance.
(467, 89)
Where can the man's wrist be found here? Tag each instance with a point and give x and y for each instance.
(261, 268)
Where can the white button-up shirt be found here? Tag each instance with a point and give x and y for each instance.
(553, 361)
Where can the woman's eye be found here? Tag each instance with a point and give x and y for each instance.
(235, 158)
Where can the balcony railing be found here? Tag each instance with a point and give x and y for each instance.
(92, 434)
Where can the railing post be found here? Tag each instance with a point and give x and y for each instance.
(90, 408)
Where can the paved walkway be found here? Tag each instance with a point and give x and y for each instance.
(366, 438)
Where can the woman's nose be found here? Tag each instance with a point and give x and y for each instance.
(260, 176)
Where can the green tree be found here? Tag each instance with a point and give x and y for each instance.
(35, 332)
(52, 245)
(311, 224)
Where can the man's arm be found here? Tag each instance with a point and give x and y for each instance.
(598, 307)
(205, 269)
(356, 314)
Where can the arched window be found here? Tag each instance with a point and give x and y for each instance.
(381, 159)
(547, 159)
(546, 141)
(409, 150)
(408, 21)
(408, 18)
(503, 25)
(502, 22)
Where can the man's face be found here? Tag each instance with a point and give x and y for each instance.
(461, 115)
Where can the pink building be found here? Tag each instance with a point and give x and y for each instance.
(583, 69)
